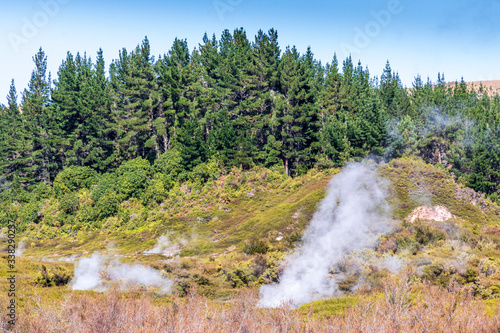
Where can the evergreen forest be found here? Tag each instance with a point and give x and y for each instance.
(144, 125)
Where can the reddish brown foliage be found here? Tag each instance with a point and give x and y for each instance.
(432, 310)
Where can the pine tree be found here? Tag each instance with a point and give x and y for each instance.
(265, 65)
(298, 113)
(12, 135)
(289, 83)
(102, 129)
(42, 160)
(239, 92)
(66, 102)
(81, 100)
(265, 57)
(136, 99)
(440, 92)
(222, 140)
(328, 102)
(13, 108)
(173, 82)
(394, 97)
(388, 87)
(328, 96)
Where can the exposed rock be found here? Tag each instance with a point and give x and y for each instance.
(226, 209)
(436, 213)
(435, 152)
(469, 195)
(477, 199)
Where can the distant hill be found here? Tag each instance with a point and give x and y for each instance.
(492, 87)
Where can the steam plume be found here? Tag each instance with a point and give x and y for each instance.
(19, 249)
(166, 247)
(93, 273)
(162, 243)
(351, 217)
(88, 273)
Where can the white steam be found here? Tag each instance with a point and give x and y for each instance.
(351, 217)
(19, 250)
(393, 264)
(88, 273)
(94, 273)
(405, 133)
(130, 275)
(162, 243)
(166, 247)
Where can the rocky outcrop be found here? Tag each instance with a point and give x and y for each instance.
(469, 195)
(436, 213)
(435, 152)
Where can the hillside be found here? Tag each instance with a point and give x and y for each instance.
(492, 87)
(235, 231)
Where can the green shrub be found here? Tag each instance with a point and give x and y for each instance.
(404, 240)
(437, 274)
(72, 179)
(107, 206)
(470, 275)
(349, 283)
(41, 191)
(323, 162)
(256, 246)
(204, 172)
(240, 277)
(107, 183)
(493, 197)
(54, 276)
(137, 221)
(132, 177)
(169, 163)
(8, 213)
(469, 237)
(29, 213)
(157, 189)
(294, 237)
(85, 215)
(69, 203)
(329, 307)
(426, 234)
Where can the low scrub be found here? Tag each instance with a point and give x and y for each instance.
(402, 308)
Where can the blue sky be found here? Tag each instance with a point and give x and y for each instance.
(459, 38)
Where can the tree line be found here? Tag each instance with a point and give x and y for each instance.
(240, 103)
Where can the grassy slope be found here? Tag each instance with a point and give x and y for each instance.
(264, 215)
(212, 258)
(215, 237)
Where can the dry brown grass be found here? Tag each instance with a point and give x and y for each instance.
(491, 87)
(430, 309)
